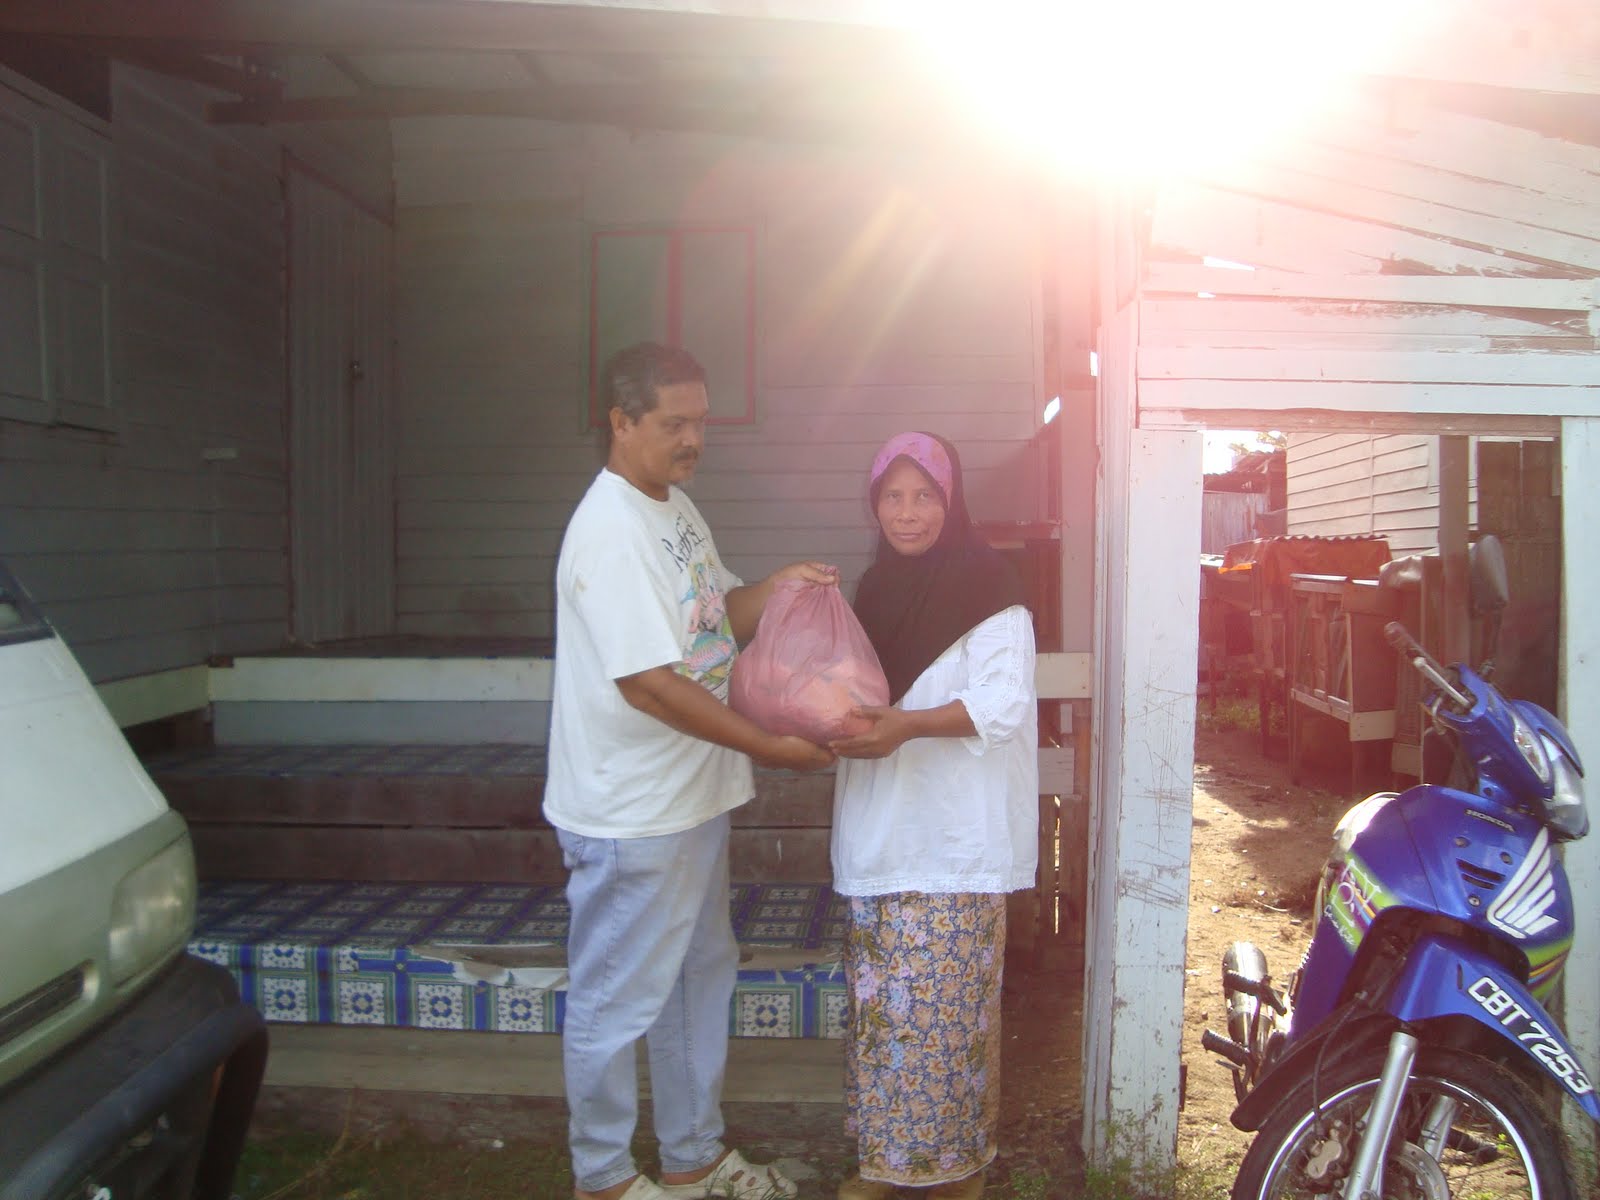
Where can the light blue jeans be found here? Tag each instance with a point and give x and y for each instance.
(650, 954)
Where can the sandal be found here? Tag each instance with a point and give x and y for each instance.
(735, 1178)
(970, 1188)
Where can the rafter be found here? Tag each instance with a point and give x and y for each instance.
(718, 110)
(238, 26)
(845, 113)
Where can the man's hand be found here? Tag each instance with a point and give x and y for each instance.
(686, 706)
(745, 603)
(793, 754)
(822, 573)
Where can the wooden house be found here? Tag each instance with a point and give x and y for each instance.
(301, 302)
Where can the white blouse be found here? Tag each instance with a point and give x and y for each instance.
(951, 814)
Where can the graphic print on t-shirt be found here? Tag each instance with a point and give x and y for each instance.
(708, 644)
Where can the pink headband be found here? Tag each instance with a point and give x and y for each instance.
(921, 449)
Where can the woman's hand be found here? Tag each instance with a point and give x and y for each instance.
(891, 728)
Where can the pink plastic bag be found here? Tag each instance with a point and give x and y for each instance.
(809, 664)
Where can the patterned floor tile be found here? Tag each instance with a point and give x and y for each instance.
(340, 952)
(368, 1000)
(767, 1011)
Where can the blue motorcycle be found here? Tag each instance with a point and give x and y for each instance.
(1411, 1056)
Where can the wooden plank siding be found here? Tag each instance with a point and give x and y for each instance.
(1402, 277)
(1341, 484)
(162, 542)
(145, 554)
(1396, 267)
(888, 296)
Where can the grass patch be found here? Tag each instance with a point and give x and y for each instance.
(1122, 1181)
(1229, 713)
(397, 1165)
(1025, 1185)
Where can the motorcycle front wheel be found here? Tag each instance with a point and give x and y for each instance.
(1467, 1128)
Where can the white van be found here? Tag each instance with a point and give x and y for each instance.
(127, 1067)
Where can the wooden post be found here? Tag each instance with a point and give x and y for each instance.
(1580, 706)
(1454, 453)
(1146, 646)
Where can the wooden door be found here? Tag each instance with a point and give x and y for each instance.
(341, 413)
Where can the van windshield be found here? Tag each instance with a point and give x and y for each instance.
(19, 619)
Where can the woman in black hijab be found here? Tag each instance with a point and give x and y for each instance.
(935, 817)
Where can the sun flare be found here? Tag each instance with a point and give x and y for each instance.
(1159, 86)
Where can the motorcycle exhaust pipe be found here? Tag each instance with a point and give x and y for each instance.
(1244, 979)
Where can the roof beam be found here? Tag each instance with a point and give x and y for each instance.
(677, 108)
(242, 26)
(555, 103)
(839, 115)
(196, 68)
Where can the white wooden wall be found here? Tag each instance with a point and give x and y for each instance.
(1580, 704)
(157, 538)
(1406, 259)
(146, 553)
(1146, 650)
(1410, 271)
(888, 297)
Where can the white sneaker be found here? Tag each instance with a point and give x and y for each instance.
(734, 1178)
(643, 1188)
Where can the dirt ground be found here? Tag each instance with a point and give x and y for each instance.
(1258, 844)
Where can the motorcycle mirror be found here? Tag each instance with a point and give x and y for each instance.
(1490, 594)
(1490, 590)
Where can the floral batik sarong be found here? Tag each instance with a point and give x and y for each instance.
(922, 1047)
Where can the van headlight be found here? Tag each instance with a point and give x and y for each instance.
(152, 910)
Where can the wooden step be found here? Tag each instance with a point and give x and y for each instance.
(443, 814)
(769, 1070)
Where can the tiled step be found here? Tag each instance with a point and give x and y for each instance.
(490, 957)
(436, 813)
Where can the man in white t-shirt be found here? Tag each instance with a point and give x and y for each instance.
(646, 761)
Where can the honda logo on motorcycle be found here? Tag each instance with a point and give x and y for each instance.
(1521, 910)
(1535, 1038)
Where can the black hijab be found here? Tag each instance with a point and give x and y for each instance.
(915, 607)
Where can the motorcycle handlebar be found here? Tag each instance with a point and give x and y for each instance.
(1400, 638)
(1232, 981)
